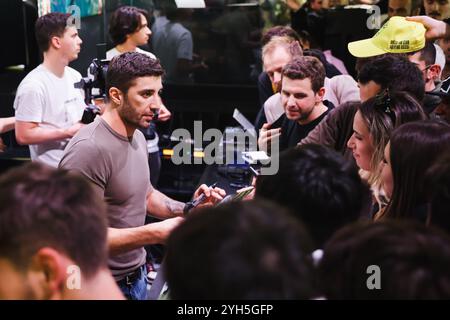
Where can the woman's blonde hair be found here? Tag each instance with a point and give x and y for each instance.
(382, 114)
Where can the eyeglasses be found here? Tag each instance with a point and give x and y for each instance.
(427, 67)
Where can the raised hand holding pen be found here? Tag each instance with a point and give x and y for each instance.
(205, 196)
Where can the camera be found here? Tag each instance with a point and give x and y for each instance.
(94, 87)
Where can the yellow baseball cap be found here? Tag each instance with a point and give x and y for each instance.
(396, 36)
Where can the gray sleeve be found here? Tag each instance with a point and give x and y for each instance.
(85, 157)
(185, 46)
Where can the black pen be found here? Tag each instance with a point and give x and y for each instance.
(192, 204)
(202, 197)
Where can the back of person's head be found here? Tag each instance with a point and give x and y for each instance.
(330, 69)
(48, 26)
(279, 31)
(241, 250)
(125, 68)
(287, 43)
(396, 73)
(319, 186)
(427, 53)
(414, 147)
(42, 208)
(433, 59)
(306, 68)
(170, 9)
(386, 260)
(438, 176)
(382, 114)
(124, 21)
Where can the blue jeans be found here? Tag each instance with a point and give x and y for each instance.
(138, 289)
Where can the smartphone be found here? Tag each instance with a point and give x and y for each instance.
(241, 195)
(237, 196)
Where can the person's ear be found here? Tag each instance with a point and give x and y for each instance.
(55, 42)
(115, 96)
(434, 71)
(319, 95)
(47, 273)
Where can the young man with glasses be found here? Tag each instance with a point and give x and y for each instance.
(431, 61)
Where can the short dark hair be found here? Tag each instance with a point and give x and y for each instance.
(41, 206)
(279, 31)
(124, 68)
(320, 187)
(124, 21)
(48, 26)
(306, 67)
(413, 261)
(396, 73)
(438, 176)
(427, 53)
(242, 250)
(423, 142)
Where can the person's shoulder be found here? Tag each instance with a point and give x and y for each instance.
(344, 110)
(180, 29)
(72, 73)
(273, 99)
(151, 55)
(343, 80)
(139, 136)
(35, 81)
(35, 76)
(111, 53)
(85, 138)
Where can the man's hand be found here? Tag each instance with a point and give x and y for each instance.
(164, 113)
(266, 135)
(212, 196)
(435, 28)
(71, 131)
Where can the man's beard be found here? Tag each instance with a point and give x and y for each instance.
(129, 115)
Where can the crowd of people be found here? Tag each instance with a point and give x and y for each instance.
(359, 208)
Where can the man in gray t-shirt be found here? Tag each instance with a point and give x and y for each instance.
(112, 154)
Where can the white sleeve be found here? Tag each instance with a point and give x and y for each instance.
(29, 103)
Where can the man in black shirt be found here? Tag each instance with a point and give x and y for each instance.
(302, 91)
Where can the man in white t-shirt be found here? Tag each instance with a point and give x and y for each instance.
(128, 29)
(48, 107)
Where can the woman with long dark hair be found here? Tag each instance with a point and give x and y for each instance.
(412, 150)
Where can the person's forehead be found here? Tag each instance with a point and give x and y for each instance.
(143, 19)
(70, 30)
(278, 55)
(148, 82)
(296, 85)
